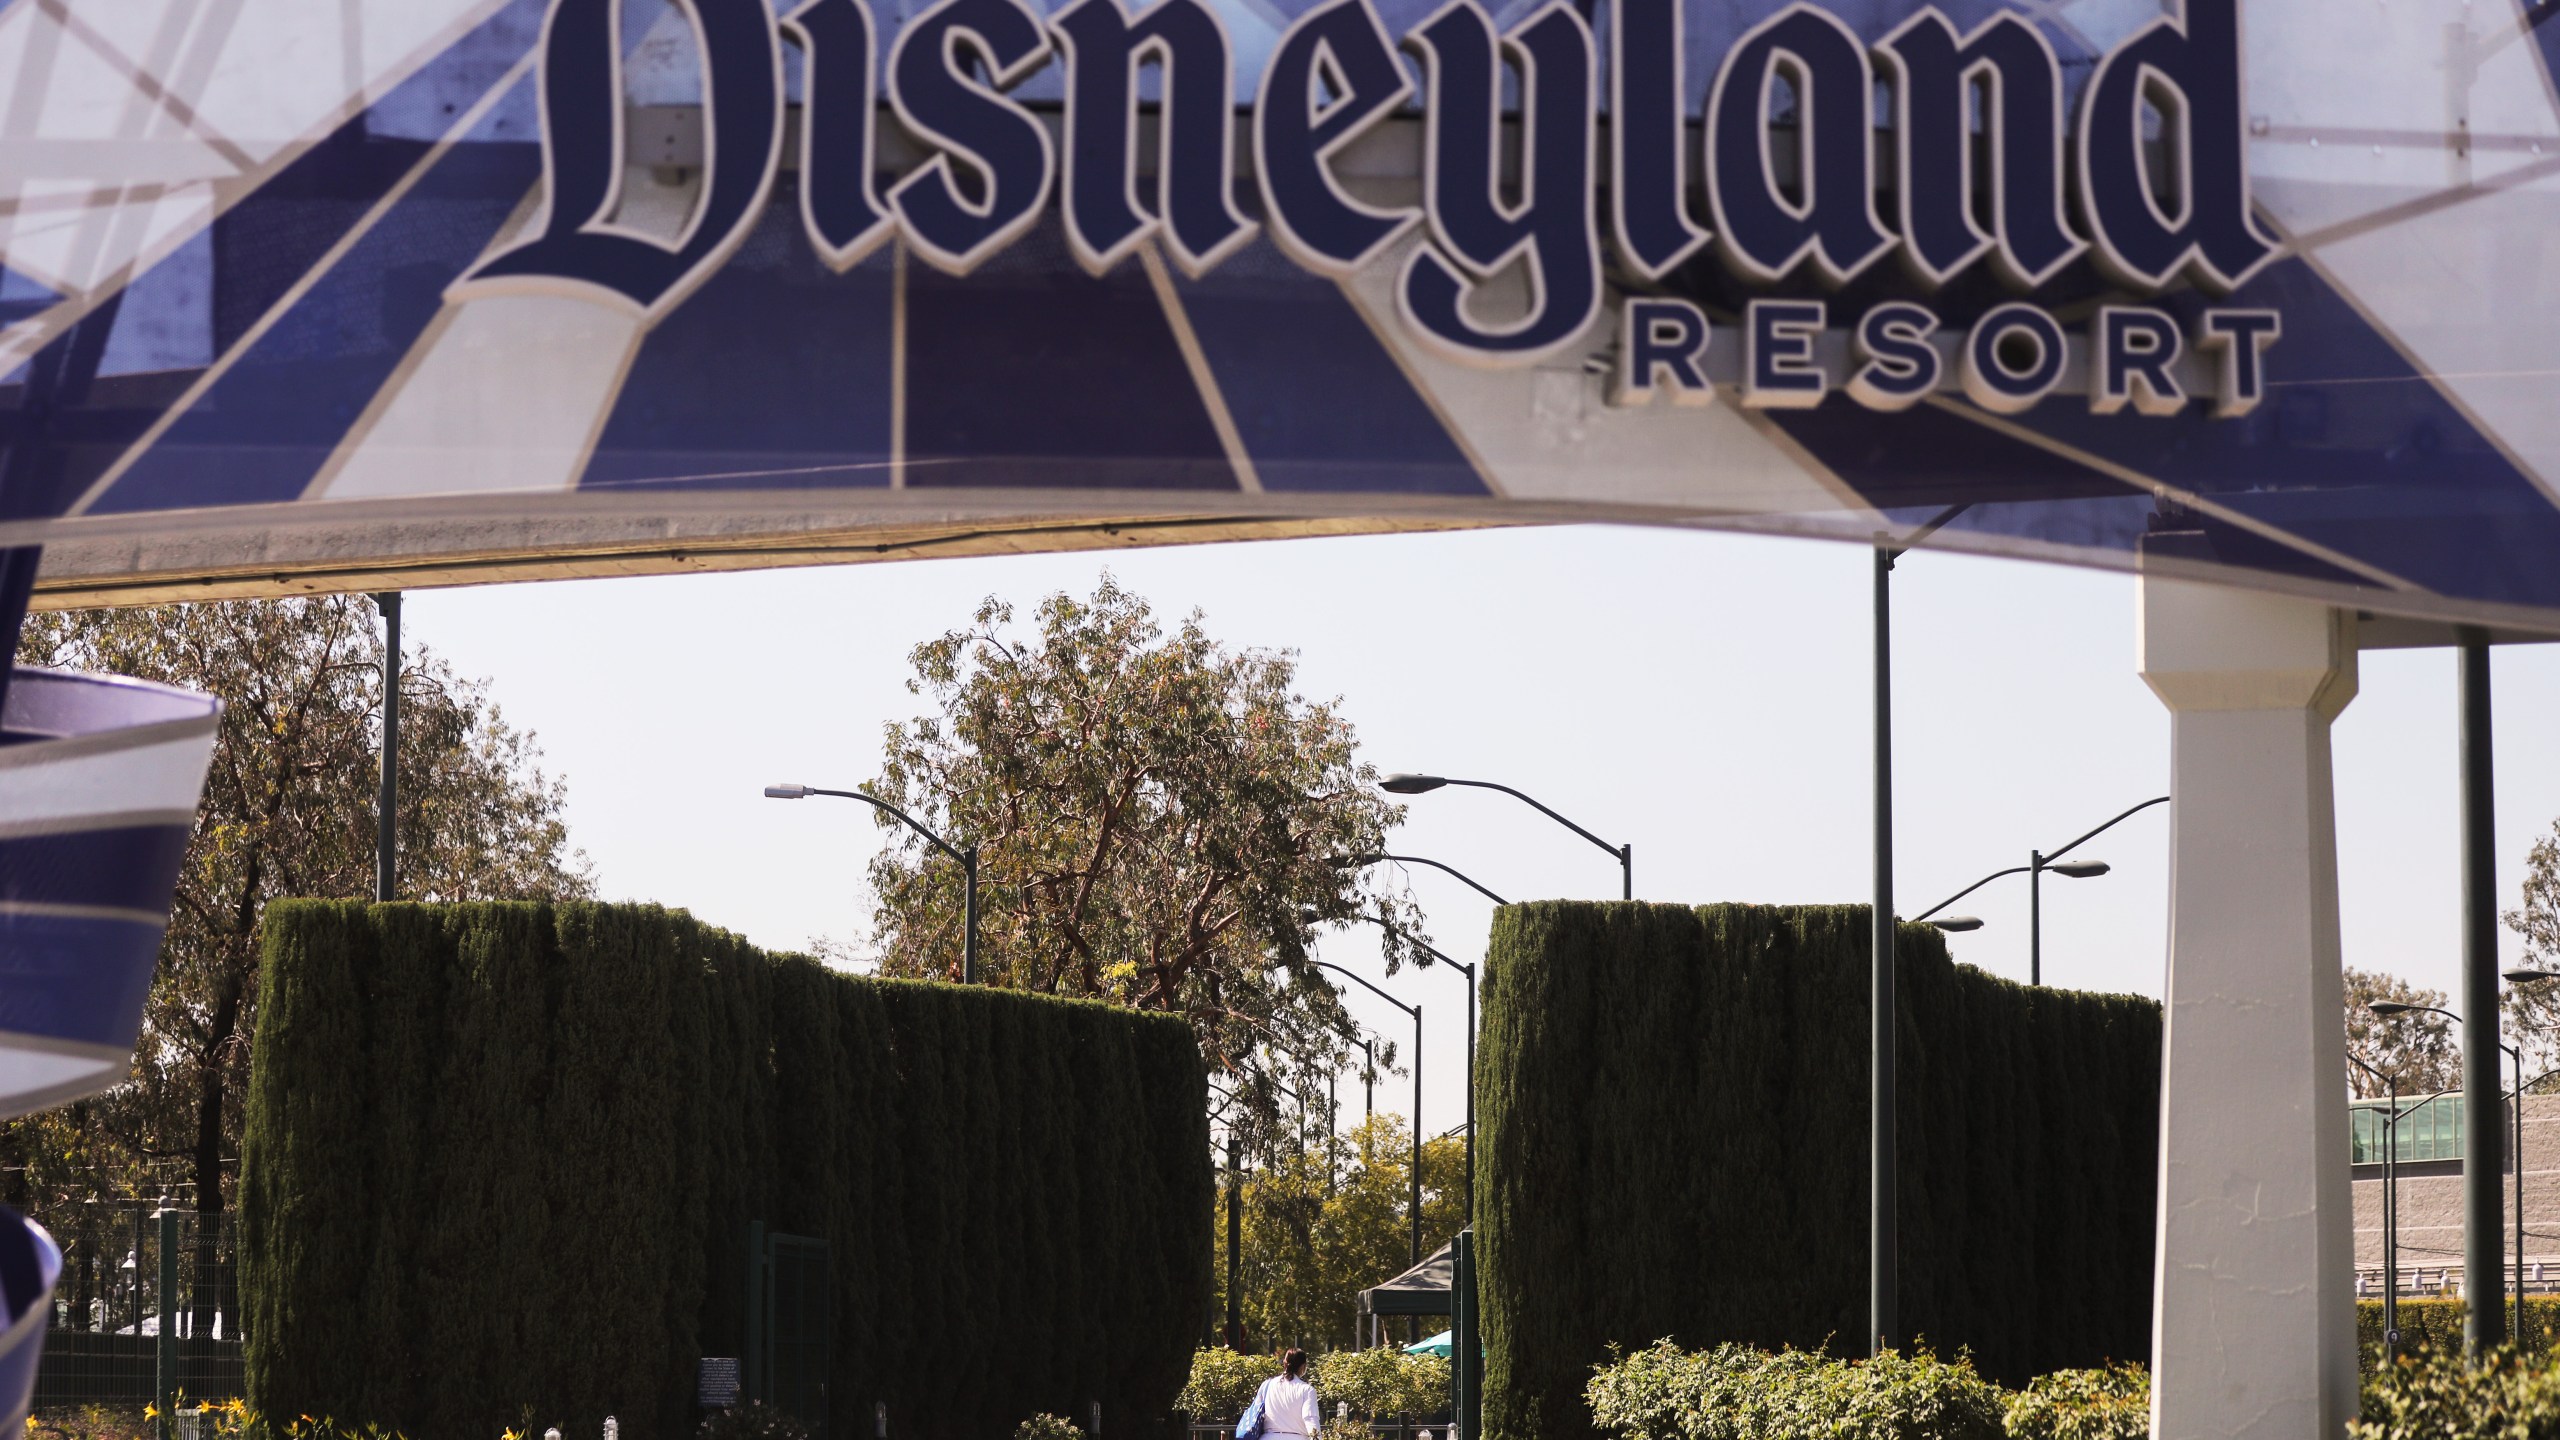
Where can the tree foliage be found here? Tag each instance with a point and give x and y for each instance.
(2533, 1011)
(1161, 823)
(289, 810)
(1325, 1222)
(2419, 1050)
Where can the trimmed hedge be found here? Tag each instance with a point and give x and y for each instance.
(501, 1159)
(2433, 1326)
(1673, 1106)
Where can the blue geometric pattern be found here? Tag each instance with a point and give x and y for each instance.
(1147, 389)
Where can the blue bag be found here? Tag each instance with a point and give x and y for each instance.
(1254, 1421)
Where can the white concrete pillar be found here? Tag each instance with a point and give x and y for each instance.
(2253, 1301)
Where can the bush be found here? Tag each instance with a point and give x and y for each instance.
(1672, 1141)
(1384, 1382)
(754, 1420)
(2113, 1403)
(1222, 1384)
(521, 1146)
(1047, 1427)
(2433, 1324)
(2438, 1397)
(1733, 1392)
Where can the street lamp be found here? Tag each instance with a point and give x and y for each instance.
(2038, 862)
(2390, 1211)
(968, 859)
(1352, 861)
(1416, 1012)
(1469, 971)
(2389, 1008)
(1406, 784)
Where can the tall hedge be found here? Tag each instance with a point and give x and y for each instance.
(1674, 1137)
(501, 1160)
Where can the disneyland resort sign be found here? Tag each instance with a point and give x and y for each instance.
(993, 165)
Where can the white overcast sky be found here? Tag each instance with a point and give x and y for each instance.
(1703, 696)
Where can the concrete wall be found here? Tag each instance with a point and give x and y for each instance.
(2431, 1210)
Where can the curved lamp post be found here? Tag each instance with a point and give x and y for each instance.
(2390, 1210)
(968, 859)
(1416, 1012)
(1408, 784)
(1469, 971)
(2038, 862)
(2389, 1008)
(1349, 861)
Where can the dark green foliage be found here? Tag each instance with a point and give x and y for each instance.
(752, 1421)
(2440, 1397)
(1734, 1392)
(1673, 1143)
(2112, 1402)
(501, 1161)
(2434, 1326)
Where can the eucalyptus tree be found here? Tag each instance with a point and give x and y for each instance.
(289, 810)
(1161, 822)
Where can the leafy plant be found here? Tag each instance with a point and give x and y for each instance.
(2113, 1403)
(1047, 1427)
(1159, 822)
(1734, 1392)
(1325, 1221)
(1383, 1382)
(2439, 1397)
(755, 1420)
(1222, 1383)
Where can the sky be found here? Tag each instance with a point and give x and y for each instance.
(1703, 696)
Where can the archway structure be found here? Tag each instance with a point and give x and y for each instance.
(398, 293)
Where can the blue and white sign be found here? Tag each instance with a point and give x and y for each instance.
(443, 290)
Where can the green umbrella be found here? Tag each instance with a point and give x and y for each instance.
(1437, 1345)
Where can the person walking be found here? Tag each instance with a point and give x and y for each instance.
(1289, 1405)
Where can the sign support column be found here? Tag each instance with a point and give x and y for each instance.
(2253, 1317)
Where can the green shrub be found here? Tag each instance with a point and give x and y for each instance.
(2433, 1324)
(1222, 1384)
(754, 1420)
(1733, 1392)
(2111, 1403)
(1047, 1427)
(1672, 1141)
(2438, 1397)
(502, 1159)
(1384, 1382)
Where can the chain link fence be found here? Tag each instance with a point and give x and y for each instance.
(130, 1278)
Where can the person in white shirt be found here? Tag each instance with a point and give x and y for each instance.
(1289, 1404)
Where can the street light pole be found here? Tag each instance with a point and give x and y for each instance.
(1883, 1137)
(2483, 1263)
(2482, 1224)
(386, 856)
(2390, 1211)
(1415, 1203)
(1409, 784)
(2039, 862)
(967, 857)
(1365, 860)
(1468, 971)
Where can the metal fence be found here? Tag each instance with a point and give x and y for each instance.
(132, 1278)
